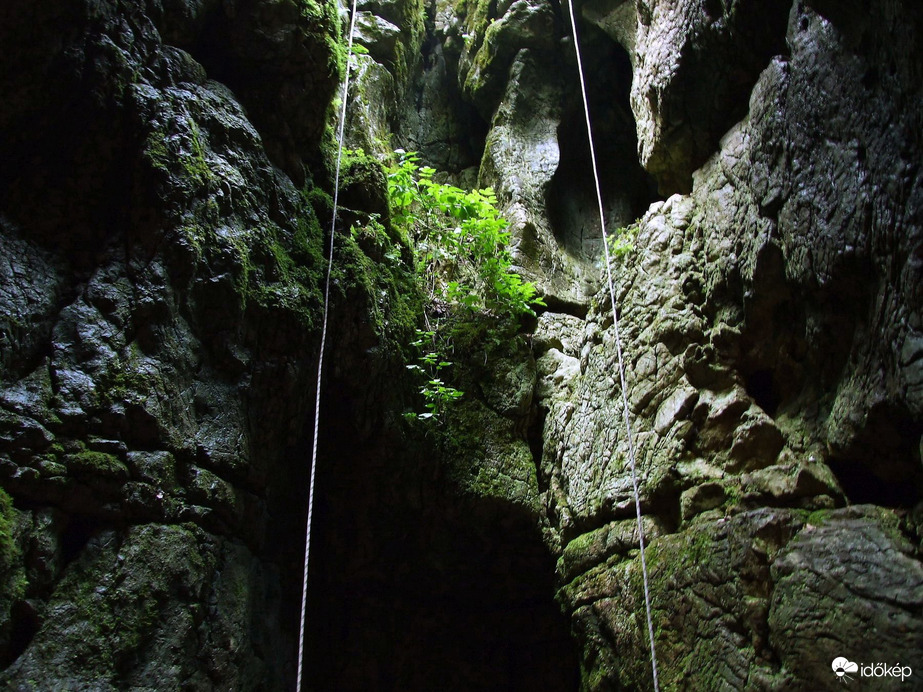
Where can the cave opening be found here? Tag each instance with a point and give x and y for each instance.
(413, 587)
(627, 188)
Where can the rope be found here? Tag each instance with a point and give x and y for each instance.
(320, 357)
(618, 346)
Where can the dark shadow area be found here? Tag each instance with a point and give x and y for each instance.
(863, 486)
(284, 547)
(24, 624)
(27, 612)
(536, 439)
(413, 588)
(761, 385)
(626, 188)
(273, 70)
(773, 354)
(882, 466)
(77, 533)
(66, 162)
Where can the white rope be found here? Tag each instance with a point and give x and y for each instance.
(320, 357)
(618, 347)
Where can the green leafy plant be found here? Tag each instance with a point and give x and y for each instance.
(436, 393)
(461, 242)
(463, 264)
(621, 242)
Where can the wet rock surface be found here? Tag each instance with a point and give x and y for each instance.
(766, 317)
(160, 301)
(695, 63)
(160, 289)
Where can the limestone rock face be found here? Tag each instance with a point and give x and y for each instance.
(165, 165)
(165, 168)
(769, 320)
(763, 318)
(160, 301)
(695, 62)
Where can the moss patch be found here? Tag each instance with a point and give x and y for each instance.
(323, 20)
(485, 457)
(12, 575)
(89, 464)
(13, 581)
(285, 271)
(388, 287)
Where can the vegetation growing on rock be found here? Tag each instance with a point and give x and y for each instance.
(13, 581)
(163, 217)
(464, 267)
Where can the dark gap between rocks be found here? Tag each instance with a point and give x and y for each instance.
(761, 386)
(77, 534)
(881, 465)
(24, 624)
(862, 486)
(413, 588)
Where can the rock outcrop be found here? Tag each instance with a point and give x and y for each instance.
(167, 164)
(160, 310)
(769, 317)
(765, 318)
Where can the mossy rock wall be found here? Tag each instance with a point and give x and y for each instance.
(162, 220)
(162, 300)
(769, 317)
